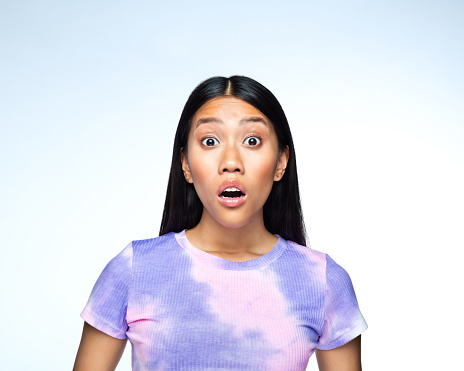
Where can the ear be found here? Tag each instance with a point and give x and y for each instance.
(185, 166)
(282, 164)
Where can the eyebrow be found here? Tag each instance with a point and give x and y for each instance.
(246, 120)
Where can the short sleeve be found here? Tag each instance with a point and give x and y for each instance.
(343, 320)
(107, 306)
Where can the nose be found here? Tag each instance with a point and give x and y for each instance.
(231, 161)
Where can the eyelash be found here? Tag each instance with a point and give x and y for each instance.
(203, 141)
(253, 137)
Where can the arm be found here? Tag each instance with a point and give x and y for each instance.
(344, 358)
(98, 351)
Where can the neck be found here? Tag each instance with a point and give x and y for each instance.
(238, 244)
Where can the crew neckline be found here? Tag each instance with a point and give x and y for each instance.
(221, 263)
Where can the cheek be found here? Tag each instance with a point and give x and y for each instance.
(201, 170)
(264, 169)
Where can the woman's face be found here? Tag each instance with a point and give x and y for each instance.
(233, 160)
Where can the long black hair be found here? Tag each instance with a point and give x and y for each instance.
(282, 210)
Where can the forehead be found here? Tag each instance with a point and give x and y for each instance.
(227, 106)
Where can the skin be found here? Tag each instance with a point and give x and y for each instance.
(245, 150)
(98, 351)
(344, 358)
(229, 140)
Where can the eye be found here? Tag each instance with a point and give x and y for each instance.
(209, 142)
(252, 141)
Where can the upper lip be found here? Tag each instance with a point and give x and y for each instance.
(231, 183)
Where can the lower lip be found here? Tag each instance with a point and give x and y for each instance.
(231, 202)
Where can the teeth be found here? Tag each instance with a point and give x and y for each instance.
(232, 192)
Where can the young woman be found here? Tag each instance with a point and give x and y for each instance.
(229, 283)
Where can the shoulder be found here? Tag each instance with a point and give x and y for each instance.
(155, 241)
(308, 254)
(328, 269)
(150, 245)
(315, 256)
(342, 318)
(158, 252)
(336, 274)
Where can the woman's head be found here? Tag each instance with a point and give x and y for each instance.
(282, 210)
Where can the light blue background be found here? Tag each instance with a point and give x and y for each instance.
(90, 96)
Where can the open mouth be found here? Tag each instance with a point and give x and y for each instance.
(231, 192)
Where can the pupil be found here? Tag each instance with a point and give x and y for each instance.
(210, 142)
(252, 141)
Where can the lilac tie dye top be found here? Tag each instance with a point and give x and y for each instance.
(184, 309)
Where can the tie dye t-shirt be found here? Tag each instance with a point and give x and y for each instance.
(184, 309)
